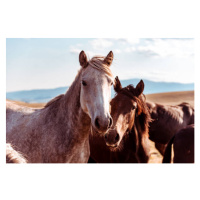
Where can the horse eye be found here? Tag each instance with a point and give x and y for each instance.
(84, 83)
(111, 83)
(133, 108)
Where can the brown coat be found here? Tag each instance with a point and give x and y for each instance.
(183, 145)
(167, 121)
(127, 140)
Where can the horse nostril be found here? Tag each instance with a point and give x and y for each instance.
(110, 122)
(97, 122)
(117, 138)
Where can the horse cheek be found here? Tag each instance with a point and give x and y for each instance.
(83, 104)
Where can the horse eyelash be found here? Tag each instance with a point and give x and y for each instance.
(83, 83)
(110, 81)
(134, 107)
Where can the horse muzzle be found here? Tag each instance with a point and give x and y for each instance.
(112, 138)
(102, 126)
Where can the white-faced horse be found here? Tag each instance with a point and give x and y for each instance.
(59, 132)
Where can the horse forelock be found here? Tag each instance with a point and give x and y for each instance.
(129, 91)
(97, 62)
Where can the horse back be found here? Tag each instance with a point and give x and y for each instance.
(18, 129)
(15, 115)
(15, 111)
(167, 120)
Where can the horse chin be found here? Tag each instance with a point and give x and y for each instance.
(113, 147)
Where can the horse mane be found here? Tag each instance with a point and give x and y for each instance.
(143, 113)
(98, 63)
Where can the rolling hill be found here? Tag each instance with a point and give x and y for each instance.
(44, 95)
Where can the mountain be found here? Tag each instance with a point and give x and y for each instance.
(44, 95)
(36, 96)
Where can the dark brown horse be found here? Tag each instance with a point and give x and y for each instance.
(127, 140)
(183, 145)
(167, 121)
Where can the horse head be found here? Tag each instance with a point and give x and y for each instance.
(95, 94)
(125, 107)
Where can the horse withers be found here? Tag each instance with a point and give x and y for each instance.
(127, 139)
(59, 133)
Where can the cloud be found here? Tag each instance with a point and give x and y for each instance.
(128, 40)
(132, 40)
(147, 52)
(100, 44)
(130, 49)
(74, 50)
(167, 47)
(117, 51)
(90, 54)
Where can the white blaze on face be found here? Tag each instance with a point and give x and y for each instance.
(120, 126)
(106, 97)
(96, 94)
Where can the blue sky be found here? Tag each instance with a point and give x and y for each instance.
(51, 63)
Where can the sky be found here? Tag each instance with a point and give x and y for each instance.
(51, 63)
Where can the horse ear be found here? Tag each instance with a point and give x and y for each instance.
(140, 88)
(117, 84)
(83, 59)
(109, 58)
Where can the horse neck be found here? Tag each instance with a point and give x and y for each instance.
(72, 96)
(68, 110)
(141, 141)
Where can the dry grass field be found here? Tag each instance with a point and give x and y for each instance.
(32, 105)
(170, 98)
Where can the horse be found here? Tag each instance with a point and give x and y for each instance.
(59, 132)
(167, 121)
(183, 145)
(13, 156)
(127, 139)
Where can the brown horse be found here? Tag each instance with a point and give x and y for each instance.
(183, 145)
(59, 132)
(13, 156)
(127, 140)
(167, 121)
